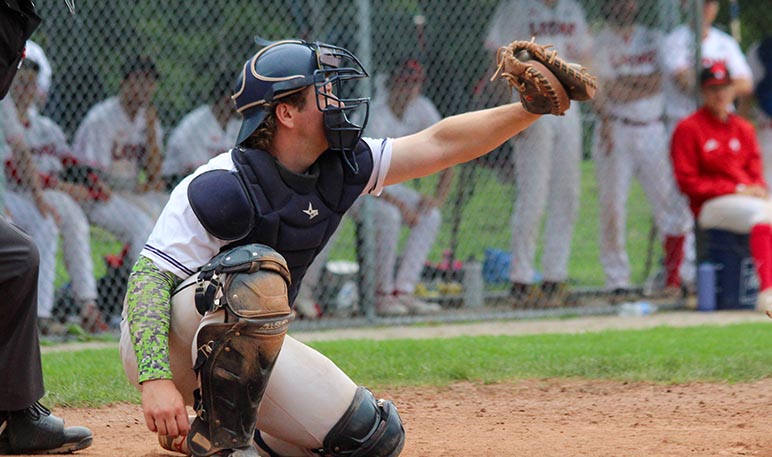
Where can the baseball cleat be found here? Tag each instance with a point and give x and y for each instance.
(35, 430)
(389, 305)
(418, 306)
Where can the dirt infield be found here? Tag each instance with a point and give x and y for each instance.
(540, 418)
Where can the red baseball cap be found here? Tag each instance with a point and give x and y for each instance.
(409, 70)
(715, 75)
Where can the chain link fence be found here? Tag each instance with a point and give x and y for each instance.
(545, 222)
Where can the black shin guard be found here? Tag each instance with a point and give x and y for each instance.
(369, 428)
(234, 375)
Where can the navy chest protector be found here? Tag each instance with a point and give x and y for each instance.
(263, 202)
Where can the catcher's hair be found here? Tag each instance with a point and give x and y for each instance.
(262, 137)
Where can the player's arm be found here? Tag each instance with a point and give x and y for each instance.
(28, 174)
(148, 303)
(154, 160)
(456, 139)
(632, 87)
(754, 165)
(443, 187)
(684, 79)
(743, 87)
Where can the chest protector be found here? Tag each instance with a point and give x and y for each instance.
(263, 202)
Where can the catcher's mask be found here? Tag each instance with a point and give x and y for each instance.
(286, 67)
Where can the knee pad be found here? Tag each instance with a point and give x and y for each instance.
(369, 428)
(249, 281)
(235, 358)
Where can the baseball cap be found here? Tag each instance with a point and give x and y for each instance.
(410, 70)
(715, 75)
(140, 64)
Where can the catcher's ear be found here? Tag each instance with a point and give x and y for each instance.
(286, 114)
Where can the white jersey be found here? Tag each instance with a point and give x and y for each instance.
(10, 127)
(564, 26)
(716, 47)
(108, 140)
(47, 142)
(180, 244)
(418, 115)
(637, 55)
(196, 139)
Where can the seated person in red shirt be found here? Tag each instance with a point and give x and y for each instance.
(717, 164)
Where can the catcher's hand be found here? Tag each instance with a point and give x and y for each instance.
(546, 82)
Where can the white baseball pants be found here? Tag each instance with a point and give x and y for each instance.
(639, 151)
(76, 247)
(547, 158)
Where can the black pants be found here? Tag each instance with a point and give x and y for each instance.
(21, 375)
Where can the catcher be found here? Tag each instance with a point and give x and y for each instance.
(215, 284)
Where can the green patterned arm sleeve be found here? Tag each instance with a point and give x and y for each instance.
(148, 304)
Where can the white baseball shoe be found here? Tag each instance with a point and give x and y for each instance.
(417, 306)
(390, 305)
(764, 301)
(307, 309)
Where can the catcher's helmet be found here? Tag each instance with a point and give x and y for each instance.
(286, 67)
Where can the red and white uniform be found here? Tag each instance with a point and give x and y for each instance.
(548, 153)
(710, 159)
(112, 142)
(43, 230)
(196, 139)
(716, 47)
(638, 148)
(713, 159)
(419, 114)
(107, 129)
(48, 145)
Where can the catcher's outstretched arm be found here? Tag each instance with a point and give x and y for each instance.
(455, 140)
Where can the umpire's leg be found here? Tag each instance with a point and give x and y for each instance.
(21, 376)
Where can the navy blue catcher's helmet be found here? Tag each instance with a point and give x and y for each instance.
(286, 67)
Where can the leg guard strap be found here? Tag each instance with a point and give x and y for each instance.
(233, 376)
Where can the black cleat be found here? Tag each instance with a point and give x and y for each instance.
(35, 430)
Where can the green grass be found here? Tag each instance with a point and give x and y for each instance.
(486, 218)
(734, 353)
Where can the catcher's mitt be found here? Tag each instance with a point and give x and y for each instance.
(545, 81)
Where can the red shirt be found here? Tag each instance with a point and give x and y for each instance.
(711, 157)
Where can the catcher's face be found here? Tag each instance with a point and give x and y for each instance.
(312, 122)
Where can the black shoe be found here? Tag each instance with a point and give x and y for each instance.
(554, 293)
(36, 431)
(619, 295)
(524, 295)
